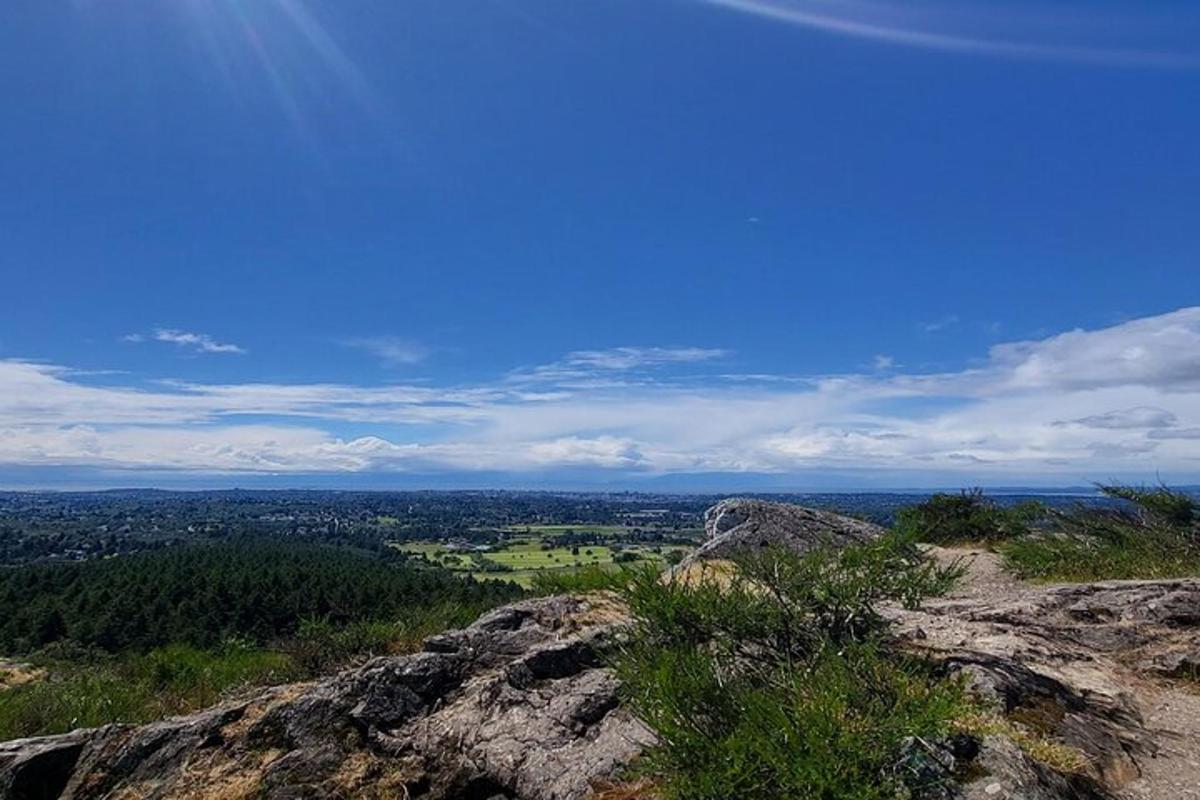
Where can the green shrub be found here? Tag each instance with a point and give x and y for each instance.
(776, 681)
(969, 516)
(1160, 505)
(1155, 533)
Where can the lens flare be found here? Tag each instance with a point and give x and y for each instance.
(288, 46)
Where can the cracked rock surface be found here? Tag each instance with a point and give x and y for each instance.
(514, 706)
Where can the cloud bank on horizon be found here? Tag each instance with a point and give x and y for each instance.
(1082, 404)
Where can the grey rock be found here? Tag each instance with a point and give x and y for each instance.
(1010, 774)
(745, 525)
(38, 769)
(1182, 662)
(515, 706)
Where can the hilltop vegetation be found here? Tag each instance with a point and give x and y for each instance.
(1138, 533)
(795, 670)
(777, 680)
(1152, 533)
(969, 517)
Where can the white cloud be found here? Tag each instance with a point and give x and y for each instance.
(883, 362)
(1079, 405)
(601, 451)
(198, 342)
(1161, 352)
(393, 351)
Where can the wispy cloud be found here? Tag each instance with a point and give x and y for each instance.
(591, 363)
(197, 342)
(893, 23)
(619, 358)
(393, 351)
(1081, 404)
(1175, 433)
(1128, 419)
(940, 324)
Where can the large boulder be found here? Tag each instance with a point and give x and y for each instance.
(742, 525)
(518, 705)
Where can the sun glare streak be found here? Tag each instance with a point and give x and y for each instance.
(331, 53)
(803, 14)
(299, 59)
(283, 93)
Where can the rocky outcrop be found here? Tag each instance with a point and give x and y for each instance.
(1084, 681)
(515, 706)
(1077, 667)
(745, 525)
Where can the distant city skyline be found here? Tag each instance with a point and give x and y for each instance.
(695, 245)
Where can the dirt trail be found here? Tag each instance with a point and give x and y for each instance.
(1174, 715)
(1170, 709)
(986, 578)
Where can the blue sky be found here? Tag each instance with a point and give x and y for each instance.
(626, 243)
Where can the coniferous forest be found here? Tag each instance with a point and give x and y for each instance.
(202, 595)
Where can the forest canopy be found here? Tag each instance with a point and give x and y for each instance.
(205, 594)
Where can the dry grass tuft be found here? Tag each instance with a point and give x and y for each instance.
(12, 675)
(1038, 746)
(602, 607)
(643, 789)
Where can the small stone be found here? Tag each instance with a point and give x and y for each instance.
(993, 789)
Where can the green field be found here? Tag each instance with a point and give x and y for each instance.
(525, 557)
(599, 530)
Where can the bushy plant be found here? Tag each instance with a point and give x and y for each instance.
(966, 517)
(1160, 505)
(1152, 533)
(775, 680)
